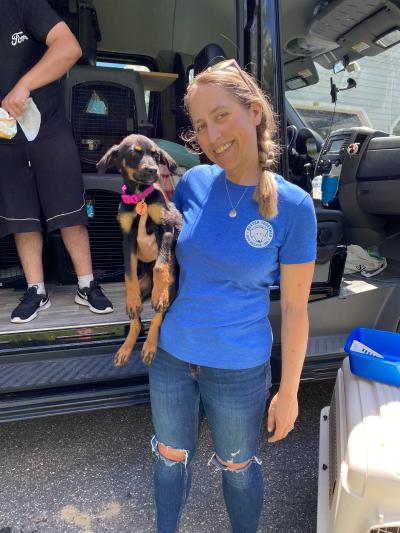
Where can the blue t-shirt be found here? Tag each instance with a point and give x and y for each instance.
(227, 265)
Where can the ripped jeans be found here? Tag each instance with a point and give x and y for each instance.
(234, 403)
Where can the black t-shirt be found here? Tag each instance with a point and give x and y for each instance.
(24, 26)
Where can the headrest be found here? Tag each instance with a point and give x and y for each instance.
(212, 53)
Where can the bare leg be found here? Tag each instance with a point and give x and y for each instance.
(30, 248)
(76, 240)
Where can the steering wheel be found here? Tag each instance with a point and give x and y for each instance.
(292, 133)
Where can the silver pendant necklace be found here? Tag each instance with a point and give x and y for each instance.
(233, 211)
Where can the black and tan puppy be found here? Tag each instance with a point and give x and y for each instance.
(138, 159)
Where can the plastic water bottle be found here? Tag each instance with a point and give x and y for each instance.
(329, 188)
(316, 188)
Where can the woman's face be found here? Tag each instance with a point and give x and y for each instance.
(225, 129)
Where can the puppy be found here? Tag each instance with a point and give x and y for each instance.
(138, 159)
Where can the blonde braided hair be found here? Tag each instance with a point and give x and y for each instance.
(245, 89)
(266, 194)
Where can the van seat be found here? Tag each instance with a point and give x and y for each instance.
(209, 55)
(329, 233)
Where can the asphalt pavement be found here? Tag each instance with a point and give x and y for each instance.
(92, 473)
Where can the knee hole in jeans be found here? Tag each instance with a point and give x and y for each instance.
(179, 456)
(232, 466)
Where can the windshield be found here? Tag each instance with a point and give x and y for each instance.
(375, 102)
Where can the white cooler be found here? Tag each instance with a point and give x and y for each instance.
(359, 457)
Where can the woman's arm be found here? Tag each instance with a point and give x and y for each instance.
(295, 286)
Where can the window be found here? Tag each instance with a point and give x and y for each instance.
(373, 102)
(139, 68)
(319, 118)
(190, 74)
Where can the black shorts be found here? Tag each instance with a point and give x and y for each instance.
(41, 186)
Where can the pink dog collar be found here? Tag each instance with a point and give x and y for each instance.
(135, 198)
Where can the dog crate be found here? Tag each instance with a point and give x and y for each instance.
(104, 105)
(359, 459)
(11, 273)
(102, 201)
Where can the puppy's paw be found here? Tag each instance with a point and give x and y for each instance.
(160, 299)
(133, 307)
(122, 356)
(149, 351)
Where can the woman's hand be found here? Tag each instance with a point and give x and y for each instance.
(282, 414)
(146, 244)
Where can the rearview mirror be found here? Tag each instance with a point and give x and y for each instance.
(341, 65)
(338, 67)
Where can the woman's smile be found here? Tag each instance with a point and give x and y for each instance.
(222, 149)
(226, 132)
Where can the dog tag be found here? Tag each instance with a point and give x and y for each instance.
(141, 208)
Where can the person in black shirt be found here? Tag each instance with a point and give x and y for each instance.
(41, 187)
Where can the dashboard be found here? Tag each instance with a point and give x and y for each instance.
(366, 163)
(335, 148)
(343, 150)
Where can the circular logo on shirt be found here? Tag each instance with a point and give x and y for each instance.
(259, 233)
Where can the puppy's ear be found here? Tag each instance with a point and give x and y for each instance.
(108, 160)
(166, 159)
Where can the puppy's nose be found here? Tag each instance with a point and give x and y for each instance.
(150, 170)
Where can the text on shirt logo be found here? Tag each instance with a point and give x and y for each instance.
(18, 38)
(259, 233)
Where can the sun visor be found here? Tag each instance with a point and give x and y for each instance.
(356, 27)
(300, 73)
(341, 16)
(364, 39)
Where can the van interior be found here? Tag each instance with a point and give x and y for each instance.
(138, 58)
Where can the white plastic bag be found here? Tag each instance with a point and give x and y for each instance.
(30, 120)
(364, 262)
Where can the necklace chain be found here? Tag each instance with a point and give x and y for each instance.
(233, 211)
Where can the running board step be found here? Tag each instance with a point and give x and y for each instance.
(324, 357)
(70, 368)
(326, 345)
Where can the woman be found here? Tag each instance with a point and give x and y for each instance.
(243, 226)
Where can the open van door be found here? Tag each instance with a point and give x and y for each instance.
(339, 68)
(261, 46)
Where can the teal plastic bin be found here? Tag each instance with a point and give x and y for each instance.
(375, 354)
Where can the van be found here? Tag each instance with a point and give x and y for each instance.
(138, 58)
